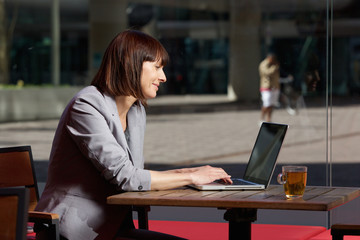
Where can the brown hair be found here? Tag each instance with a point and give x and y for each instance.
(121, 67)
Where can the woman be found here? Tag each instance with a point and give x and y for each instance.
(98, 146)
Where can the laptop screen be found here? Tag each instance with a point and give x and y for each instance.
(264, 154)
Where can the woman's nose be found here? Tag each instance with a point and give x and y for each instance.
(162, 76)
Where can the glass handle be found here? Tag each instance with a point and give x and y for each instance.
(281, 179)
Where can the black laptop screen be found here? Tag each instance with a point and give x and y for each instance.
(265, 152)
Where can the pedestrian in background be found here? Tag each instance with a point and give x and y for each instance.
(269, 71)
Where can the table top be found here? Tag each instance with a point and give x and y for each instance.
(316, 198)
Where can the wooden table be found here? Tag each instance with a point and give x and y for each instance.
(241, 206)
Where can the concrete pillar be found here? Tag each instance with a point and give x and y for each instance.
(106, 19)
(55, 42)
(244, 51)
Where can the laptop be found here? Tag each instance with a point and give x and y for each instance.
(261, 164)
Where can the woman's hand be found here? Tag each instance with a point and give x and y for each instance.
(185, 176)
(208, 174)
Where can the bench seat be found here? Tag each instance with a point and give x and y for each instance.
(219, 231)
(326, 235)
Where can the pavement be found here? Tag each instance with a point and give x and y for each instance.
(210, 129)
(193, 130)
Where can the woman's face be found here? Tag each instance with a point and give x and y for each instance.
(151, 76)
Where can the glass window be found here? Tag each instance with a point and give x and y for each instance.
(216, 48)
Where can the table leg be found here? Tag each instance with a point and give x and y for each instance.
(143, 219)
(240, 220)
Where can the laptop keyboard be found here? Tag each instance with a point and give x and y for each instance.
(236, 181)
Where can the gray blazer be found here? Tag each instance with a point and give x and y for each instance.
(90, 160)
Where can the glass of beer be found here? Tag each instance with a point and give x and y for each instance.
(294, 180)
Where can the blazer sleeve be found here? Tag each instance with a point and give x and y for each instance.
(93, 127)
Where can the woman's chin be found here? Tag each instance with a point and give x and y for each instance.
(151, 96)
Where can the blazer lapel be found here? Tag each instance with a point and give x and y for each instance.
(117, 128)
(133, 128)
